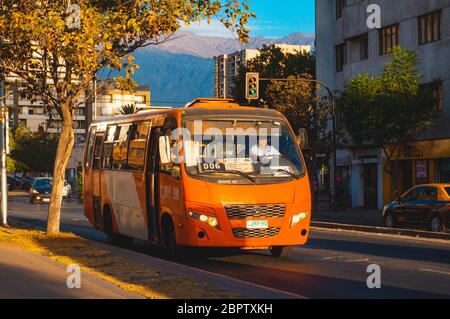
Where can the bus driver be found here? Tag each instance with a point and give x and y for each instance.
(263, 151)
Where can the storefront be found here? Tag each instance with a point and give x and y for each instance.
(420, 163)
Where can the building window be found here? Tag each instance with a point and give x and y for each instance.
(436, 89)
(140, 99)
(430, 27)
(360, 44)
(438, 95)
(340, 4)
(341, 56)
(389, 38)
(80, 111)
(108, 98)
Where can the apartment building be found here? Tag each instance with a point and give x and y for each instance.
(226, 67)
(33, 114)
(110, 99)
(346, 47)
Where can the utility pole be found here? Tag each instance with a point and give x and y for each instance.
(4, 121)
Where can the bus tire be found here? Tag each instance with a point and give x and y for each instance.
(169, 240)
(113, 238)
(281, 251)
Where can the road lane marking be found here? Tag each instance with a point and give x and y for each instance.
(436, 271)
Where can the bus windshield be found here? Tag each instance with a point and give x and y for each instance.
(242, 151)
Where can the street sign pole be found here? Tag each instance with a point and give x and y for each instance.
(4, 149)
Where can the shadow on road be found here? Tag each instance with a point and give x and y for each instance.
(309, 285)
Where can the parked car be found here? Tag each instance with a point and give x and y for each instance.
(421, 206)
(67, 190)
(27, 183)
(40, 190)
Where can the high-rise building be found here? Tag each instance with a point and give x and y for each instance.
(347, 47)
(226, 67)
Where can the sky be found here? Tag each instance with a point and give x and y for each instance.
(274, 19)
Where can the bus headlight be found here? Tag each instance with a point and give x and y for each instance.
(298, 218)
(210, 220)
(213, 222)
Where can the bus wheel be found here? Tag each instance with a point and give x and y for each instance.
(281, 251)
(172, 250)
(113, 238)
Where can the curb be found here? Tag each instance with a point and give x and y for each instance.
(383, 230)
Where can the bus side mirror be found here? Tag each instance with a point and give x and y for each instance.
(164, 149)
(302, 138)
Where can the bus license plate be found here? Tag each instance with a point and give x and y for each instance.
(257, 224)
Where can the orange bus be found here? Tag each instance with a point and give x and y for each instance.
(212, 174)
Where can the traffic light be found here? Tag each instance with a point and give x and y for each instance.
(252, 86)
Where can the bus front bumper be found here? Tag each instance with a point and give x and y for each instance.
(279, 232)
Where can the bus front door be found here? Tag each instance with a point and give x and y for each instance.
(95, 179)
(152, 186)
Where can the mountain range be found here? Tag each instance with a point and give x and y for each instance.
(181, 68)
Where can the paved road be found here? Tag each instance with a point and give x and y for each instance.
(331, 265)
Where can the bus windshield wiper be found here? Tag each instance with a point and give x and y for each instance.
(247, 176)
(280, 170)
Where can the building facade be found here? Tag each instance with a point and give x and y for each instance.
(347, 47)
(226, 67)
(108, 101)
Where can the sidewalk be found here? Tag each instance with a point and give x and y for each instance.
(350, 216)
(364, 220)
(27, 275)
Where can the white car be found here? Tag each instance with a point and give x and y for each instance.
(67, 189)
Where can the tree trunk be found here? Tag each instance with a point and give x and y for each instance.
(65, 146)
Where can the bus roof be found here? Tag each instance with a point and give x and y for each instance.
(204, 107)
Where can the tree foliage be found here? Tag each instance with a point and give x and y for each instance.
(128, 109)
(35, 150)
(56, 60)
(273, 63)
(388, 111)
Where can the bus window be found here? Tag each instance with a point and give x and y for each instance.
(120, 149)
(90, 145)
(138, 141)
(171, 168)
(97, 152)
(108, 146)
